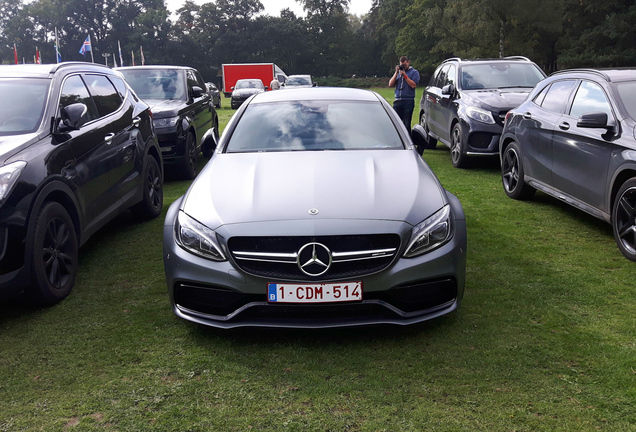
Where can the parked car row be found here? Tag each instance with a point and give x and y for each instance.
(571, 135)
(79, 144)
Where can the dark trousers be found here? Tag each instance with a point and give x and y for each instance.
(404, 109)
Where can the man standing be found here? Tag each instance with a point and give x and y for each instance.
(405, 79)
(275, 84)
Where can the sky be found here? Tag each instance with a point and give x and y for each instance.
(273, 7)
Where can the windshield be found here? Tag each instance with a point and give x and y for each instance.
(627, 96)
(499, 75)
(23, 103)
(243, 84)
(156, 83)
(292, 81)
(314, 125)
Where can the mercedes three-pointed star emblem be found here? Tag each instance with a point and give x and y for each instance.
(314, 259)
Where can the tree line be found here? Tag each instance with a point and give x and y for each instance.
(327, 40)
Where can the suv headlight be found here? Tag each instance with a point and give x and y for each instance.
(431, 233)
(166, 122)
(196, 238)
(481, 115)
(9, 175)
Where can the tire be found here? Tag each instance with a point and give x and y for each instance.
(152, 202)
(188, 165)
(624, 219)
(219, 104)
(53, 256)
(458, 147)
(431, 142)
(512, 174)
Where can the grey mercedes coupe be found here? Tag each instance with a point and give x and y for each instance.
(315, 210)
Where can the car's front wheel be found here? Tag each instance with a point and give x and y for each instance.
(54, 255)
(457, 149)
(152, 202)
(189, 161)
(624, 219)
(512, 174)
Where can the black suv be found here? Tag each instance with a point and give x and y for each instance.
(77, 147)
(466, 101)
(184, 116)
(574, 139)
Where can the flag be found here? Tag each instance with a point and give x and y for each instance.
(143, 60)
(15, 54)
(86, 46)
(121, 58)
(37, 56)
(58, 56)
(132, 54)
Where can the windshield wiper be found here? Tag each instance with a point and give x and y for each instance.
(519, 86)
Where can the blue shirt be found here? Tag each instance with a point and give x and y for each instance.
(402, 89)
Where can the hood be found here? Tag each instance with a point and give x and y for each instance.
(163, 108)
(373, 185)
(9, 145)
(498, 100)
(246, 92)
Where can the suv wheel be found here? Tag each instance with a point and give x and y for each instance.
(431, 142)
(189, 160)
(457, 149)
(54, 255)
(152, 202)
(624, 219)
(512, 174)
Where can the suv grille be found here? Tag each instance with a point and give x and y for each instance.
(352, 255)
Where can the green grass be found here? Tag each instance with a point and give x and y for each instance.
(544, 340)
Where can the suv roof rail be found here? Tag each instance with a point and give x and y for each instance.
(451, 59)
(59, 66)
(586, 70)
(516, 58)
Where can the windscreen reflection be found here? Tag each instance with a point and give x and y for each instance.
(23, 107)
(156, 83)
(314, 126)
(499, 75)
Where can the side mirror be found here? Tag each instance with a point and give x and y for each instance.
(419, 136)
(315, 84)
(232, 88)
(196, 91)
(266, 88)
(73, 117)
(448, 89)
(593, 120)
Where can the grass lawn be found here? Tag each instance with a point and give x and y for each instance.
(544, 341)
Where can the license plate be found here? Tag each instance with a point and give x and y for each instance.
(314, 293)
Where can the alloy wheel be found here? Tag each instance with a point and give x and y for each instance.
(510, 170)
(154, 185)
(456, 147)
(57, 253)
(625, 220)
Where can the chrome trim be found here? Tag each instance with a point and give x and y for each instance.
(367, 252)
(268, 254)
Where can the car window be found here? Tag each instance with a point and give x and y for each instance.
(104, 94)
(433, 79)
(119, 85)
(557, 97)
(244, 84)
(441, 78)
(590, 98)
(27, 102)
(192, 79)
(74, 91)
(314, 125)
(163, 84)
(627, 95)
(498, 75)
(450, 75)
(539, 98)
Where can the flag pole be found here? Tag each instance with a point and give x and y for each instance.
(91, 45)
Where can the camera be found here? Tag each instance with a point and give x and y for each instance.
(401, 67)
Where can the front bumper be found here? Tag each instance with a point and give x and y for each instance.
(408, 291)
(172, 144)
(482, 139)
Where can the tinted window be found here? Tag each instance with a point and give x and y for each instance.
(156, 83)
(627, 95)
(434, 76)
(74, 91)
(27, 101)
(314, 125)
(539, 98)
(441, 78)
(450, 75)
(244, 84)
(119, 85)
(557, 96)
(192, 79)
(590, 98)
(104, 93)
(499, 75)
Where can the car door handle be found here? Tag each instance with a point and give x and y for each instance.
(108, 138)
(564, 126)
(136, 121)
(527, 115)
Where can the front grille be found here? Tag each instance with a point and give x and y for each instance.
(418, 296)
(275, 257)
(210, 299)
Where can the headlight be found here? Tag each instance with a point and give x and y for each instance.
(166, 122)
(431, 233)
(9, 175)
(196, 238)
(480, 115)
